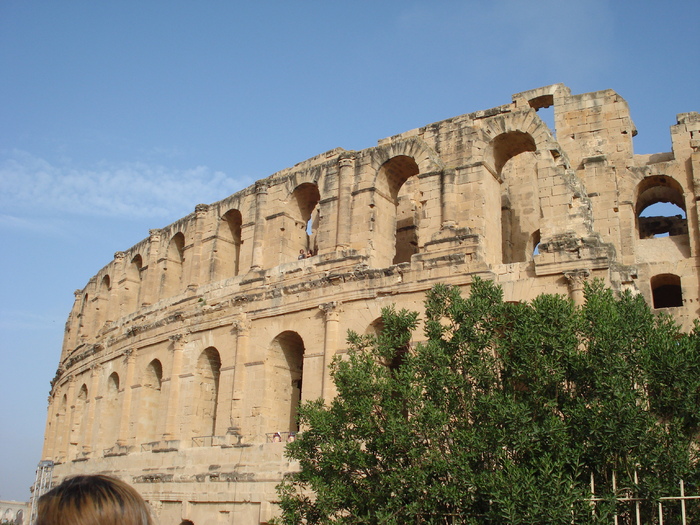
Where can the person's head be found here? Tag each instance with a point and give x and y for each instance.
(93, 500)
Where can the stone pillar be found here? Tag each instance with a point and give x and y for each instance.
(117, 294)
(173, 411)
(449, 199)
(344, 219)
(576, 279)
(152, 281)
(92, 425)
(242, 327)
(75, 321)
(48, 451)
(195, 270)
(330, 346)
(70, 414)
(259, 231)
(126, 417)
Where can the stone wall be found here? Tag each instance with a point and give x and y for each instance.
(188, 352)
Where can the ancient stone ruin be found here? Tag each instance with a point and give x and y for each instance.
(185, 358)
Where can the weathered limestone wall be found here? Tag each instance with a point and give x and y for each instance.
(186, 353)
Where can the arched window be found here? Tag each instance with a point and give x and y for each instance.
(175, 258)
(61, 428)
(228, 245)
(305, 200)
(83, 327)
(102, 303)
(660, 208)
(398, 206)
(515, 161)
(285, 366)
(207, 394)
(150, 401)
(78, 430)
(133, 284)
(666, 291)
(109, 413)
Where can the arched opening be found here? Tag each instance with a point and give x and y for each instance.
(77, 439)
(150, 401)
(109, 414)
(666, 291)
(61, 424)
(398, 203)
(133, 284)
(172, 276)
(83, 327)
(207, 394)
(285, 366)
(305, 211)
(516, 162)
(102, 302)
(660, 208)
(228, 246)
(375, 327)
(508, 145)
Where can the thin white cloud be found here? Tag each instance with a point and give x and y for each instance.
(30, 185)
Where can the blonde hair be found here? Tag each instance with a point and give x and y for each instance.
(93, 500)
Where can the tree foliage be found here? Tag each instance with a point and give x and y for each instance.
(502, 415)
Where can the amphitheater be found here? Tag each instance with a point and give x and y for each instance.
(188, 353)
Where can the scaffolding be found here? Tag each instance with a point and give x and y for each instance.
(42, 484)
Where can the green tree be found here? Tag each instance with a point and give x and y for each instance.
(502, 415)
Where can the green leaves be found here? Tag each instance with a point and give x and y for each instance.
(501, 415)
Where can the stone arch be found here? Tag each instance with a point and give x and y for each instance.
(228, 245)
(304, 210)
(173, 268)
(375, 327)
(79, 423)
(666, 291)
(660, 189)
(150, 401)
(509, 135)
(102, 301)
(520, 150)
(285, 366)
(109, 412)
(396, 201)
(132, 290)
(206, 396)
(61, 423)
(396, 210)
(520, 200)
(83, 327)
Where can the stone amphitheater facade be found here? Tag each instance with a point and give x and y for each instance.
(187, 353)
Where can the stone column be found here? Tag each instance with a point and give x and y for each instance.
(92, 425)
(242, 327)
(70, 414)
(195, 271)
(48, 451)
(126, 417)
(345, 175)
(576, 279)
(330, 345)
(171, 418)
(152, 278)
(118, 293)
(449, 199)
(259, 230)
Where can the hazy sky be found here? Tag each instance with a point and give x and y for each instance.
(119, 117)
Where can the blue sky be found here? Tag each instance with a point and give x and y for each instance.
(119, 117)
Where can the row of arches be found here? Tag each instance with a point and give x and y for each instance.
(401, 213)
(93, 413)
